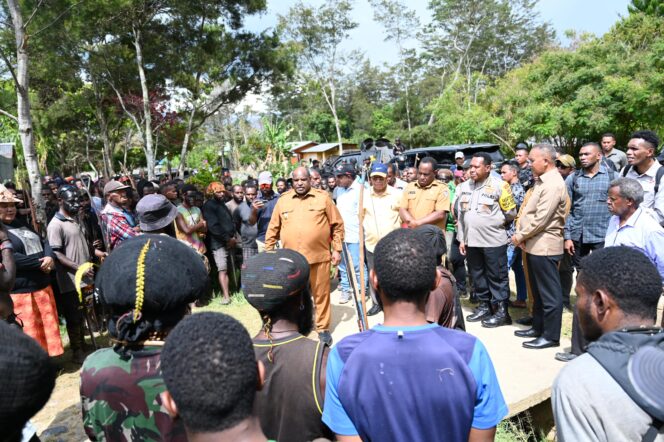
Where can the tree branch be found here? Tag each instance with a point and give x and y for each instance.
(10, 67)
(27, 22)
(56, 19)
(7, 114)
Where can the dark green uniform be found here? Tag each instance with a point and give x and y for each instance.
(109, 391)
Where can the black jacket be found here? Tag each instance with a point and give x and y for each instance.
(219, 223)
(29, 277)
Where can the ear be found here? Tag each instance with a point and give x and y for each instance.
(169, 404)
(373, 280)
(436, 281)
(261, 375)
(602, 302)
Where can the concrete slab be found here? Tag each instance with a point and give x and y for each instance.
(525, 376)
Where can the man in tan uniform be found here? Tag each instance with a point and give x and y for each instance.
(307, 221)
(539, 233)
(425, 200)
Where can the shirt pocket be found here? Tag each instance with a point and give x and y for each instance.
(464, 202)
(286, 216)
(486, 205)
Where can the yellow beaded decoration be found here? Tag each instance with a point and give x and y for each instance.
(140, 280)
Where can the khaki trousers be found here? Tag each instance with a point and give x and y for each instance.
(319, 279)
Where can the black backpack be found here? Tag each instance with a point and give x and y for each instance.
(658, 175)
(613, 351)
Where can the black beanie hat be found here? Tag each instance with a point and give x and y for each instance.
(434, 236)
(173, 275)
(27, 378)
(270, 278)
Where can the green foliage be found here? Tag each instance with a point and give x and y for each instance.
(651, 7)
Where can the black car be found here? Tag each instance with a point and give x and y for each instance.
(444, 155)
(355, 157)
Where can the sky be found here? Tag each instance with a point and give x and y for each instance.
(595, 16)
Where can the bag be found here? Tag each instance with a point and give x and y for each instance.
(613, 351)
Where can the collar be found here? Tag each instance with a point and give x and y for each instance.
(61, 217)
(631, 221)
(311, 192)
(389, 190)
(602, 169)
(434, 183)
(652, 170)
(412, 328)
(546, 176)
(111, 209)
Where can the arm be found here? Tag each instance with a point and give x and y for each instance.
(342, 438)
(337, 228)
(66, 262)
(405, 215)
(654, 245)
(477, 435)
(569, 222)
(658, 206)
(184, 227)
(8, 271)
(432, 218)
(273, 232)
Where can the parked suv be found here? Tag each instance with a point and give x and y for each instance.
(354, 157)
(444, 155)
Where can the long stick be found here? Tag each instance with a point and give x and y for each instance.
(363, 287)
(361, 320)
(33, 214)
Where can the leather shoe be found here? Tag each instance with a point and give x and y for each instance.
(529, 333)
(565, 357)
(482, 311)
(526, 320)
(374, 310)
(540, 343)
(501, 316)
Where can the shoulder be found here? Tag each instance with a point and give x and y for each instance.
(582, 374)
(350, 343)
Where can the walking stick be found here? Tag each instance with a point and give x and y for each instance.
(363, 287)
(361, 319)
(231, 255)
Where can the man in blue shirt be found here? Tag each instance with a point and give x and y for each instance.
(407, 379)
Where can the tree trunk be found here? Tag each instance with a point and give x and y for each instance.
(26, 133)
(185, 143)
(147, 115)
(333, 107)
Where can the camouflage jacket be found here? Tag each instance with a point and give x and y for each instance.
(121, 399)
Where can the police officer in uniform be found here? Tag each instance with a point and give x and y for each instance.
(425, 200)
(485, 207)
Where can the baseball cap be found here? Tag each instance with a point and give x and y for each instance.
(114, 186)
(344, 169)
(155, 212)
(378, 169)
(264, 178)
(566, 160)
(459, 155)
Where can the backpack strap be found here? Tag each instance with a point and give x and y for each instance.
(654, 429)
(626, 170)
(658, 178)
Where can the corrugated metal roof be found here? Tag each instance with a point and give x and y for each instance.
(324, 147)
(293, 145)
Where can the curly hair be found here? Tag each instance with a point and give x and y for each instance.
(627, 275)
(405, 266)
(210, 370)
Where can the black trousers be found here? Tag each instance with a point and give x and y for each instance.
(566, 272)
(458, 266)
(579, 343)
(547, 295)
(370, 265)
(488, 269)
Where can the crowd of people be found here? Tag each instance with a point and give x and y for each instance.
(139, 254)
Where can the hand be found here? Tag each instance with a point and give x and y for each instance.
(90, 273)
(257, 204)
(202, 226)
(47, 264)
(97, 244)
(462, 248)
(336, 258)
(569, 246)
(413, 223)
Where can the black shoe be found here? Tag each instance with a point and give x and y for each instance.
(325, 337)
(473, 298)
(529, 333)
(374, 310)
(540, 343)
(500, 317)
(526, 320)
(565, 357)
(482, 311)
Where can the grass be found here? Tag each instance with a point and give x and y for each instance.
(519, 428)
(239, 308)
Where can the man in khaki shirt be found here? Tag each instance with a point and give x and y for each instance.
(307, 221)
(381, 216)
(539, 232)
(425, 200)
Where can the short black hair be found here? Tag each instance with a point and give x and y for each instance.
(188, 188)
(27, 378)
(485, 157)
(405, 266)
(608, 135)
(627, 275)
(281, 179)
(210, 370)
(521, 146)
(594, 144)
(429, 160)
(648, 136)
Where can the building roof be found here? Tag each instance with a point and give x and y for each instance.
(294, 145)
(324, 147)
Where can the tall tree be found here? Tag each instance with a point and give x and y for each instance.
(400, 25)
(317, 34)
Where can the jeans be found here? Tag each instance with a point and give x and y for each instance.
(515, 262)
(354, 250)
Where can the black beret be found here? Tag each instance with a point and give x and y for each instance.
(174, 275)
(269, 278)
(27, 378)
